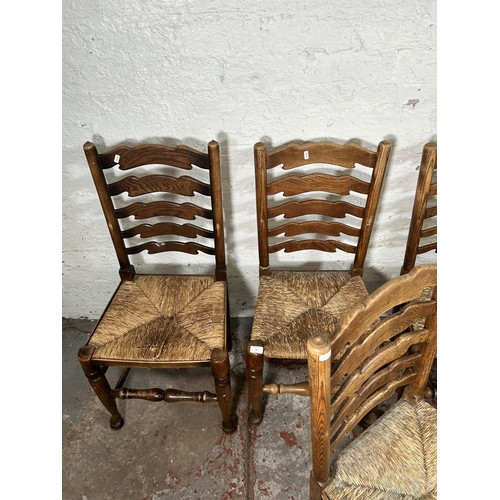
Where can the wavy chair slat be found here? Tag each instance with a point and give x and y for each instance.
(294, 185)
(163, 209)
(317, 227)
(374, 389)
(321, 245)
(351, 419)
(135, 186)
(336, 209)
(152, 230)
(297, 155)
(171, 246)
(181, 156)
(382, 331)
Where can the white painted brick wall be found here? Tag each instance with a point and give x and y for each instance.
(239, 72)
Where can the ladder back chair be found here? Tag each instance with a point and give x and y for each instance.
(396, 456)
(335, 205)
(161, 320)
(422, 234)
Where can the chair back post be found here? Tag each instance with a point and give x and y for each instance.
(319, 366)
(260, 158)
(127, 271)
(427, 165)
(217, 213)
(414, 391)
(383, 150)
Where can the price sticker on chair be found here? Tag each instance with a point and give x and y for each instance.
(256, 349)
(324, 357)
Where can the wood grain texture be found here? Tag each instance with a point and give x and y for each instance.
(163, 209)
(317, 227)
(283, 317)
(160, 229)
(153, 247)
(319, 366)
(322, 245)
(135, 186)
(161, 321)
(292, 156)
(337, 209)
(180, 156)
(382, 356)
(295, 184)
(421, 212)
(378, 359)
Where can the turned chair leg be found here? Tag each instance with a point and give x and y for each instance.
(98, 381)
(219, 364)
(255, 368)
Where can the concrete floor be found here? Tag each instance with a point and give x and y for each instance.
(178, 450)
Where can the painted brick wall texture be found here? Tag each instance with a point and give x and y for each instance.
(189, 71)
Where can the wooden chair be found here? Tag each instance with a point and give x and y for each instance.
(337, 205)
(423, 223)
(161, 320)
(396, 456)
(422, 234)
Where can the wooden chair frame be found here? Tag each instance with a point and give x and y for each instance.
(290, 157)
(185, 158)
(416, 243)
(382, 356)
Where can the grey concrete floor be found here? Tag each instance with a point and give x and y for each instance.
(178, 450)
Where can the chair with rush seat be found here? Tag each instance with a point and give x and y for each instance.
(395, 458)
(335, 203)
(161, 320)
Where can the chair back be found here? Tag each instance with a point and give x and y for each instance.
(334, 200)
(144, 208)
(381, 354)
(423, 223)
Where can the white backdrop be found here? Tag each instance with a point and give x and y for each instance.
(240, 72)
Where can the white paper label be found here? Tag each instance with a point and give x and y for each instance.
(325, 356)
(256, 349)
(117, 158)
(306, 155)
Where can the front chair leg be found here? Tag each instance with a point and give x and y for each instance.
(219, 364)
(98, 381)
(255, 368)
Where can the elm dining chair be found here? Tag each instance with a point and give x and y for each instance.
(164, 320)
(334, 202)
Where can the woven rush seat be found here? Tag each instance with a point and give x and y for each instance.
(292, 304)
(184, 325)
(394, 459)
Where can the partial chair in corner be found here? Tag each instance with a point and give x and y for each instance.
(161, 320)
(422, 234)
(396, 456)
(335, 204)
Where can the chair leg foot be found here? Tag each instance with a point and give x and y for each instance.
(116, 422)
(255, 368)
(98, 382)
(219, 364)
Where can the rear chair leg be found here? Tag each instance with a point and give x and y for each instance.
(219, 364)
(99, 383)
(255, 368)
